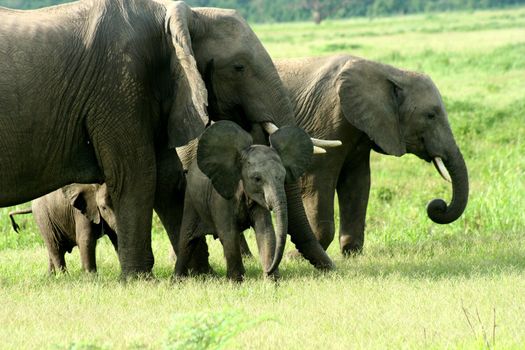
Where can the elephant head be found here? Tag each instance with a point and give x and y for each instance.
(403, 112)
(241, 79)
(93, 201)
(227, 155)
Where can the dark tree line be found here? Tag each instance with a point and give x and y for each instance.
(316, 10)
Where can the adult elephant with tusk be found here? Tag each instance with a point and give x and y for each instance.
(103, 90)
(368, 105)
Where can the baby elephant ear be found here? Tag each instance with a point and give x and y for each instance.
(219, 155)
(295, 149)
(83, 197)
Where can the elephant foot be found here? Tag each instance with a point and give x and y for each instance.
(199, 263)
(178, 277)
(202, 271)
(274, 277)
(350, 247)
(197, 267)
(137, 276)
(236, 277)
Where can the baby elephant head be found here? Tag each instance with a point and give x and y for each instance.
(226, 155)
(93, 201)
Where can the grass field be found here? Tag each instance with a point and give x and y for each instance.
(417, 285)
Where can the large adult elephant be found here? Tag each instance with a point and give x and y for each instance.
(102, 90)
(367, 105)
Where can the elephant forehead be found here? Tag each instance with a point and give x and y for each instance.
(224, 20)
(260, 156)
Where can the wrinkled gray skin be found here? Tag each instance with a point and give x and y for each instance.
(367, 105)
(74, 215)
(245, 184)
(99, 91)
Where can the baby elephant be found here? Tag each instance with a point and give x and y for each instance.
(242, 185)
(76, 214)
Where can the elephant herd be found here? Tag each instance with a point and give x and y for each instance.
(100, 101)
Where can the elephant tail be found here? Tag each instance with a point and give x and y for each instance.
(17, 212)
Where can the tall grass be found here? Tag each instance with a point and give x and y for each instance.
(417, 285)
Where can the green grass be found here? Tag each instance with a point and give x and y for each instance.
(417, 285)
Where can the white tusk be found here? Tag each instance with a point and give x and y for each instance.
(319, 150)
(326, 143)
(270, 128)
(438, 163)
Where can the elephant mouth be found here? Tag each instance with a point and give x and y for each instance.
(438, 164)
(433, 157)
(441, 168)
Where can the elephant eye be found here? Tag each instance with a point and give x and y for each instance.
(431, 116)
(257, 178)
(238, 67)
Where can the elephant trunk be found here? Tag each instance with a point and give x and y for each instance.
(276, 198)
(438, 210)
(302, 235)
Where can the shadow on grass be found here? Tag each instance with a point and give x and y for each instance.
(443, 258)
(440, 259)
(434, 258)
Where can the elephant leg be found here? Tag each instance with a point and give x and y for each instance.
(170, 212)
(319, 207)
(187, 240)
(51, 266)
(134, 210)
(86, 241)
(353, 190)
(57, 261)
(231, 245)
(169, 206)
(245, 249)
(50, 235)
(126, 153)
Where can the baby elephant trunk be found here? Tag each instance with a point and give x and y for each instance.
(276, 199)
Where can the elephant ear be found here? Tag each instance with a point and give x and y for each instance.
(295, 149)
(83, 197)
(188, 115)
(370, 100)
(219, 155)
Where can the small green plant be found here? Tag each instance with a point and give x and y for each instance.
(207, 330)
(385, 194)
(83, 345)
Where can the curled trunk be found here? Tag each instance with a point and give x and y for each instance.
(438, 210)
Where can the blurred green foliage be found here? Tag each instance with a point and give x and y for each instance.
(303, 10)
